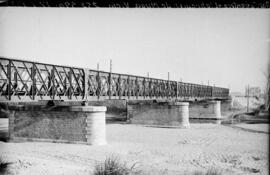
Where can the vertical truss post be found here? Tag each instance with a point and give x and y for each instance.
(137, 88)
(159, 89)
(168, 88)
(156, 89)
(70, 85)
(197, 90)
(185, 90)
(189, 90)
(181, 89)
(192, 90)
(53, 84)
(86, 84)
(120, 87)
(162, 89)
(212, 94)
(33, 74)
(144, 93)
(110, 85)
(202, 92)
(65, 85)
(99, 85)
(15, 81)
(110, 76)
(128, 81)
(151, 89)
(176, 90)
(9, 79)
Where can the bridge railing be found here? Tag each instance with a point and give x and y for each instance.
(27, 80)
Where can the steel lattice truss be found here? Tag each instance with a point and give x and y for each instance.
(26, 80)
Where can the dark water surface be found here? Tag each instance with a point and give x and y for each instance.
(229, 121)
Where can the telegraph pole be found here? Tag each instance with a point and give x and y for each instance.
(110, 66)
(148, 74)
(168, 76)
(248, 98)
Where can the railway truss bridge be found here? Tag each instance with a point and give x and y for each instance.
(22, 80)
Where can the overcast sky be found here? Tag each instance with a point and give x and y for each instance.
(228, 47)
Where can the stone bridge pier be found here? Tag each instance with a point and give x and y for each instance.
(174, 113)
(60, 124)
(70, 122)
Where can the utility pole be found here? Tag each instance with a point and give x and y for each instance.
(248, 98)
(148, 74)
(168, 76)
(110, 66)
(97, 66)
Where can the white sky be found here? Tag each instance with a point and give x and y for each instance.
(228, 47)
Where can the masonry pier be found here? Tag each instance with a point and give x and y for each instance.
(175, 113)
(183, 114)
(60, 124)
(159, 114)
(70, 122)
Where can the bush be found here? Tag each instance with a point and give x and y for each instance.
(211, 171)
(113, 166)
(3, 166)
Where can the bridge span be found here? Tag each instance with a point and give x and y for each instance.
(22, 80)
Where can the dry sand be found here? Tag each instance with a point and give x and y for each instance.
(156, 150)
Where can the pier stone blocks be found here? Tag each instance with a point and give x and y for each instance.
(173, 114)
(60, 124)
(183, 113)
(206, 110)
(216, 108)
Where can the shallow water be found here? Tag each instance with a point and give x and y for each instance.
(229, 121)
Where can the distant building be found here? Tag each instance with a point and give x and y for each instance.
(254, 91)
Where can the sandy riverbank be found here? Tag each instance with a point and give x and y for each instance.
(157, 151)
